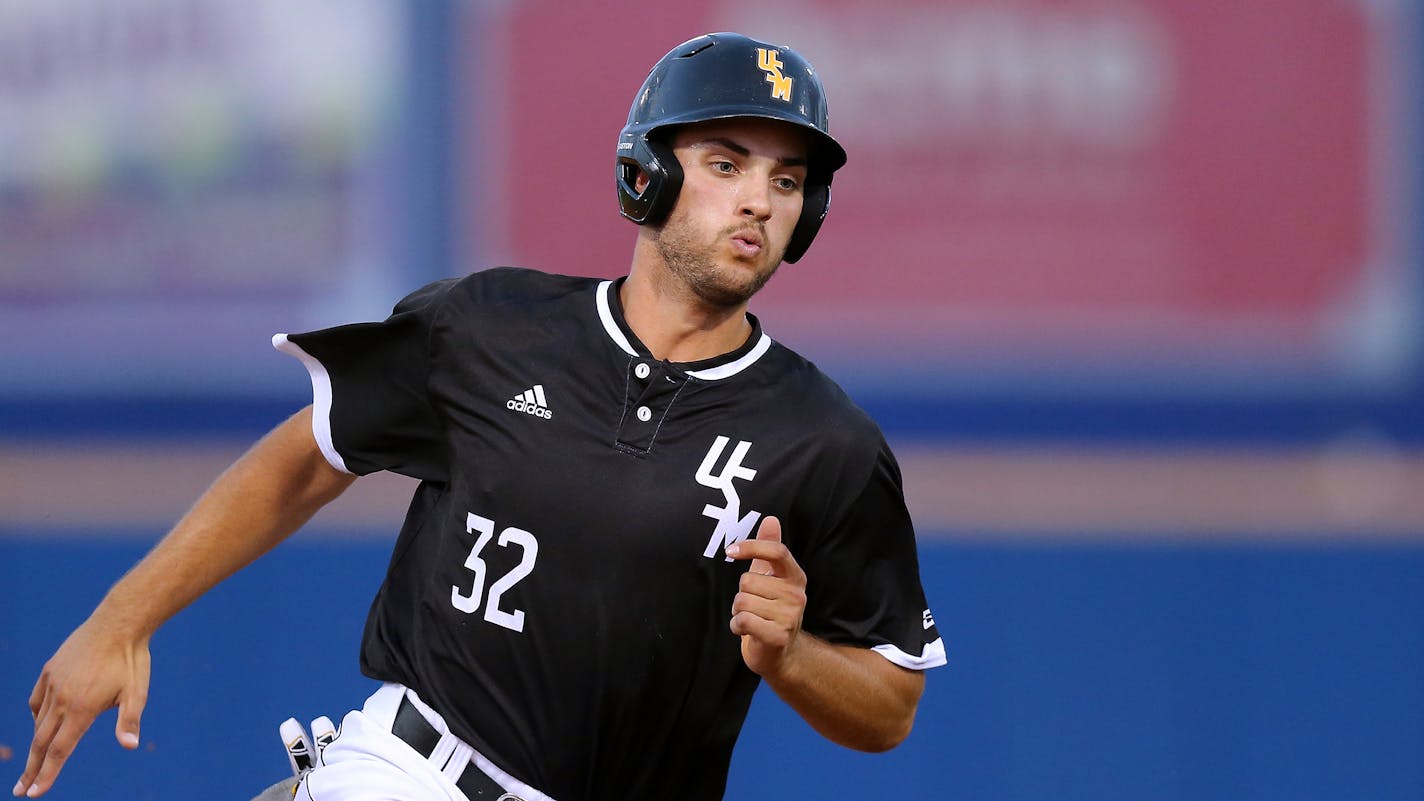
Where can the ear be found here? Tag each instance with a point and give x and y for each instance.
(641, 182)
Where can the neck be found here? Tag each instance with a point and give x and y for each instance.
(673, 323)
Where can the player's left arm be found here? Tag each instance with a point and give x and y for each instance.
(851, 695)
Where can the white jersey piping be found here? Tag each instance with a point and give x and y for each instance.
(605, 313)
(610, 325)
(932, 656)
(321, 399)
(732, 368)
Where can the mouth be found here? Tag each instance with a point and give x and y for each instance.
(747, 243)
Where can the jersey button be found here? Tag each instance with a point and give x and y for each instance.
(642, 371)
(645, 414)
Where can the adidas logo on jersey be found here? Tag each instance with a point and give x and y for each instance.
(531, 401)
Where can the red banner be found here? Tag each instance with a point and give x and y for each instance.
(1044, 179)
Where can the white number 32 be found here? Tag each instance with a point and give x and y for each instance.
(469, 602)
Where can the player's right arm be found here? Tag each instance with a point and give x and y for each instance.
(256, 503)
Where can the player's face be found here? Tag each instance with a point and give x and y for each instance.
(740, 200)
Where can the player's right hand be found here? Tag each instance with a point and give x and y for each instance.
(95, 669)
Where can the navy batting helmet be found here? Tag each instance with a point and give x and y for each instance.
(720, 76)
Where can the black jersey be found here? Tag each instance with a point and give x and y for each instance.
(559, 591)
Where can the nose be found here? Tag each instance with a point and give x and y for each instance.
(754, 198)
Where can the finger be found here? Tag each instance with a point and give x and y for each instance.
(772, 588)
(768, 559)
(764, 608)
(46, 724)
(37, 695)
(131, 704)
(769, 530)
(56, 752)
(766, 632)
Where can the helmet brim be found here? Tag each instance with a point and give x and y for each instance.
(826, 154)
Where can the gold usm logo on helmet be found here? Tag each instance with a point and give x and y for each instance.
(769, 63)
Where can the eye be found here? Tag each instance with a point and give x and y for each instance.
(723, 166)
(786, 184)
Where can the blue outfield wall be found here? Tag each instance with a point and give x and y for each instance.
(1076, 672)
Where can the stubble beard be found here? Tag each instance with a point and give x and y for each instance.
(695, 264)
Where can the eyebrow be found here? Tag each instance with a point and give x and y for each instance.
(741, 150)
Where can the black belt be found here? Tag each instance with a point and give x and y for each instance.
(416, 731)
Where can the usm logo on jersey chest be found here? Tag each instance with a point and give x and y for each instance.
(732, 525)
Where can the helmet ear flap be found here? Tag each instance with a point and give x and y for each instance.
(814, 205)
(656, 161)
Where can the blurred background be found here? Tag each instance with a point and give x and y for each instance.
(1133, 286)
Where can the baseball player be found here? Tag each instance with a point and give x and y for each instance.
(634, 503)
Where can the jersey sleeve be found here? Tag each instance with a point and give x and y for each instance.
(863, 582)
(371, 405)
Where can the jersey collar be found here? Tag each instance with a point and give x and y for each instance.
(610, 312)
